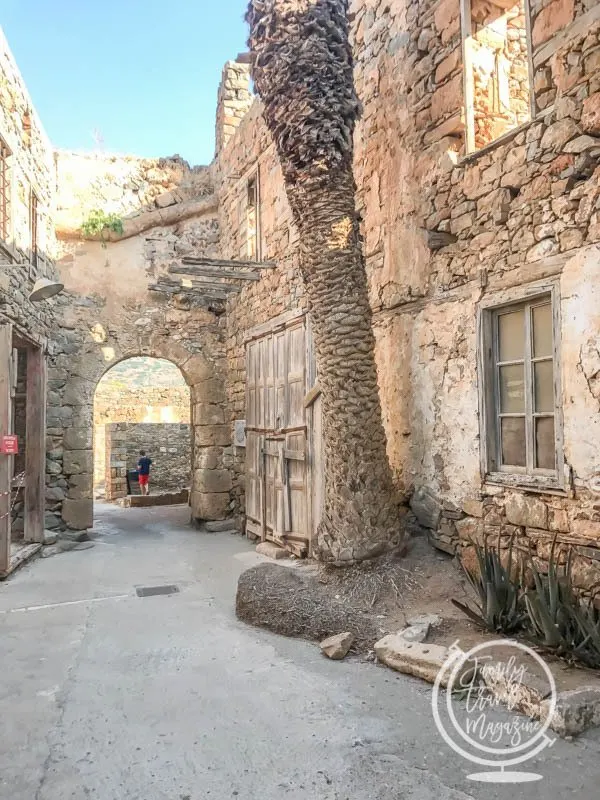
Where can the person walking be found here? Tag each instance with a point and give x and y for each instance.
(144, 472)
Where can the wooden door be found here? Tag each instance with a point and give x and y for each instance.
(278, 495)
(6, 370)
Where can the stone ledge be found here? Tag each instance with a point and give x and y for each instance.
(143, 501)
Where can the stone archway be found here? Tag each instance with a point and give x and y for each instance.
(70, 412)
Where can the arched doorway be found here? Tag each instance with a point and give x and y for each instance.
(142, 403)
(212, 487)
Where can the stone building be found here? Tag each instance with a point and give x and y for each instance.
(477, 168)
(27, 182)
(477, 164)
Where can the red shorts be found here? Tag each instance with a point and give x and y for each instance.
(144, 479)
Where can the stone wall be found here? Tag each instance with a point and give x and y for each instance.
(31, 169)
(168, 445)
(134, 405)
(446, 233)
(111, 311)
(233, 101)
(250, 152)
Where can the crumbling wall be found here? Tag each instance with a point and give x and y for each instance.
(233, 101)
(522, 210)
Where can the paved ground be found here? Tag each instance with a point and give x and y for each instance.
(109, 696)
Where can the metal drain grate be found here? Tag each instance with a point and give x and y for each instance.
(148, 591)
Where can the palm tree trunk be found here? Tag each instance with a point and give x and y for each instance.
(302, 68)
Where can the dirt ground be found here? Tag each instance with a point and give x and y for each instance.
(424, 581)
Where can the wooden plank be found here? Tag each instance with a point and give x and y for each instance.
(214, 272)
(577, 28)
(201, 286)
(35, 445)
(233, 263)
(5, 461)
(191, 285)
(22, 555)
(207, 294)
(273, 324)
(467, 44)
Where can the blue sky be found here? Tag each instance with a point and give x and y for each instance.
(142, 73)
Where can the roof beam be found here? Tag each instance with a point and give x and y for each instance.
(221, 262)
(168, 288)
(214, 272)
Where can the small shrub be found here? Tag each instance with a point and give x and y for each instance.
(99, 222)
(500, 607)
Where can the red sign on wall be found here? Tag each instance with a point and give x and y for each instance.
(9, 445)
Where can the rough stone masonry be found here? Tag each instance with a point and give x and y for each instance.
(477, 167)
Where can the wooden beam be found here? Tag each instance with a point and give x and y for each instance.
(221, 262)
(5, 461)
(170, 289)
(214, 272)
(35, 445)
(219, 287)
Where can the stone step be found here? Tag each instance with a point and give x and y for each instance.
(271, 550)
(220, 526)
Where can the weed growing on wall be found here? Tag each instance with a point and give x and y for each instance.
(99, 222)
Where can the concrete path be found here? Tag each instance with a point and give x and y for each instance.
(110, 696)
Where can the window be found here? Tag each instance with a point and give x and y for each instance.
(497, 64)
(521, 400)
(252, 220)
(33, 227)
(4, 191)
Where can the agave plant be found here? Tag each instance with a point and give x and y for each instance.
(549, 605)
(500, 606)
(559, 618)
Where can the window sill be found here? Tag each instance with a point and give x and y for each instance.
(526, 483)
(504, 139)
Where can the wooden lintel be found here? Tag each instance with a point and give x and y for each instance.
(214, 272)
(228, 263)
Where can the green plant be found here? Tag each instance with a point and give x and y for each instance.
(500, 596)
(559, 618)
(99, 222)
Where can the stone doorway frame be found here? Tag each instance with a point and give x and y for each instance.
(211, 480)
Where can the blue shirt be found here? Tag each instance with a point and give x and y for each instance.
(144, 465)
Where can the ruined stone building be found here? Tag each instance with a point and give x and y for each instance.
(477, 165)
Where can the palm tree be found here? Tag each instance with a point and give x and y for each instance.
(302, 69)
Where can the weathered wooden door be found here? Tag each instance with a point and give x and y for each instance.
(6, 380)
(279, 373)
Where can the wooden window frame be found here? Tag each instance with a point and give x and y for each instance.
(253, 179)
(466, 27)
(492, 472)
(5, 192)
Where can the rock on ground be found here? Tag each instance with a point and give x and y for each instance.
(293, 603)
(338, 646)
(415, 633)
